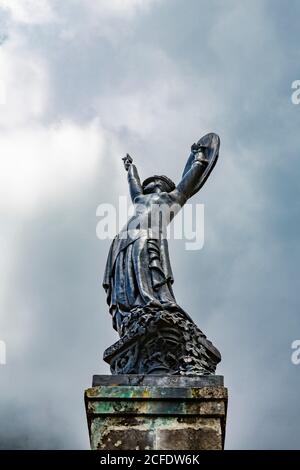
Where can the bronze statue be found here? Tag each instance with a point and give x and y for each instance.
(157, 335)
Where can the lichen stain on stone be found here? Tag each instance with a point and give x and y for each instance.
(146, 393)
(92, 392)
(125, 407)
(107, 433)
(208, 392)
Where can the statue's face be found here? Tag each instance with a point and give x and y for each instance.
(155, 186)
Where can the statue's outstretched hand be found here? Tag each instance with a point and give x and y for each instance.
(127, 161)
(197, 148)
(200, 152)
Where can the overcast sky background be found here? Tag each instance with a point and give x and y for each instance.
(81, 84)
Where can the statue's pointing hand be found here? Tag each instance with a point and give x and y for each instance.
(127, 161)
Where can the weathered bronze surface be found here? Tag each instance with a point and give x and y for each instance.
(169, 414)
(156, 335)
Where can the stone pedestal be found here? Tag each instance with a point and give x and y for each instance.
(145, 412)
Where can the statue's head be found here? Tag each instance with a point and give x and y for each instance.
(158, 183)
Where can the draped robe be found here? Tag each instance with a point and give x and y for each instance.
(138, 270)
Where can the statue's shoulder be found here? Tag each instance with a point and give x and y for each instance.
(140, 199)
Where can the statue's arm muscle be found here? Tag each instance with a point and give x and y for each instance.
(134, 182)
(186, 186)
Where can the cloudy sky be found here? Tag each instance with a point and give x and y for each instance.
(81, 84)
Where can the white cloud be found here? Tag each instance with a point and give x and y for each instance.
(119, 7)
(29, 11)
(24, 80)
(41, 163)
(98, 12)
(109, 19)
(38, 161)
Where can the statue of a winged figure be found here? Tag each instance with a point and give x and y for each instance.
(138, 270)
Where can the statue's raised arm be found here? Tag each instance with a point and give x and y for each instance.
(134, 182)
(202, 159)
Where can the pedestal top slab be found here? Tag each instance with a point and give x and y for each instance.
(159, 380)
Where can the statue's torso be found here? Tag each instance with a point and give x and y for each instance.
(152, 213)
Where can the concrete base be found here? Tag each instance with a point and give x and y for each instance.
(144, 412)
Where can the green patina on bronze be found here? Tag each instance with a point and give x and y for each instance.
(165, 407)
(153, 393)
(156, 417)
